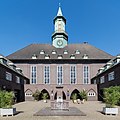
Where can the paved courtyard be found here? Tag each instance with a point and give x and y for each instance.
(92, 109)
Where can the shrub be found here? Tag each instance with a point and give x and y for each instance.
(44, 96)
(6, 99)
(36, 95)
(111, 96)
(74, 96)
(83, 95)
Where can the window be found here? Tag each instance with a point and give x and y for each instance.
(47, 56)
(47, 74)
(59, 75)
(94, 82)
(85, 56)
(8, 76)
(65, 52)
(91, 93)
(72, 74)
(77, 52)
(102, 79)
(72, 56)
(5, 61)
(34, 56)
(54, 52)
(42, 52)
(86, 75)
(28, 94)
(60, 56)
(17, 79)
(111, 76)
(33, 74)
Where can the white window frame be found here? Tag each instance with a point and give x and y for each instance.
(102, 79)
(48, 74)
(92, 94)
(60, 73)
(8, 76)
(88, 74)
(75, 75)
(32, 74)
(111, 76)
(95, 81)
(28, 94)
(17, 79)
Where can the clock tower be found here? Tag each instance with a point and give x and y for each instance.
(59, 37)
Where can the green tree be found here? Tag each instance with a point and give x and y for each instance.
(44, 96)
(6, 99)
(36, 95)
(111, 96)
(83, 95)
(74, 96)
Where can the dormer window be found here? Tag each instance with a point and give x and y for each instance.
(3, 60)
(34, 56)
(65, 52)
(85, 56)
(19, 70)
(12, 65)
(72, 56)
(77, 52)
(42, 52)
(54, 52)
(116, 60)
(60, 57)
(47, 56)
(100, 70)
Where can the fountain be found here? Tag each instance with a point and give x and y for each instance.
(59, 107)
(59, 104)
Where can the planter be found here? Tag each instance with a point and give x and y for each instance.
(74, 101)
(113, 111)
(83, 101)
(7, 111)
(45, 101)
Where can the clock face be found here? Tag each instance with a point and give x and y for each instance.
(59, 42)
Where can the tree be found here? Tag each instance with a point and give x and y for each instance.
(44, 96)
(111, 96)
(36, 95)
(83, 95)
(6, 99)
(74, 97)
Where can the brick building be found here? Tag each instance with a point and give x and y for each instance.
(12, 78)
(61, 66)
(108, 75)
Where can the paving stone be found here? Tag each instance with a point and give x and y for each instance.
(71, 112)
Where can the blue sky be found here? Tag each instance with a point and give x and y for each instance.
(23, 22)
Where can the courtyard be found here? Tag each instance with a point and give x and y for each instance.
(92, 109)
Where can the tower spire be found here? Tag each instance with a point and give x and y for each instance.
(59, 37)
(59, 11)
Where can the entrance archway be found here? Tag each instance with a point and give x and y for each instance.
(75, 91)
(44, 91)
(63, 94)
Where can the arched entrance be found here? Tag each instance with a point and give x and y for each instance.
(63, 95)
(75, 92)
(44, 91)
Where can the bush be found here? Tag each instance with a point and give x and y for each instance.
(6, 99)
(74, 96)
(36, 95)
(83, 95)
(44, 96)
(111, 96)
